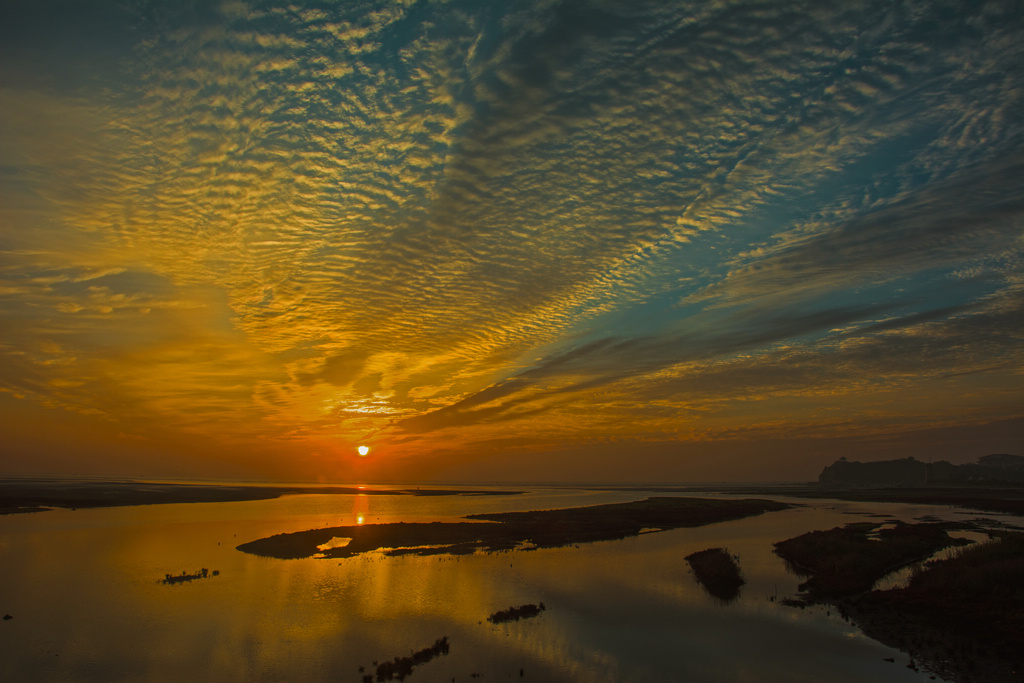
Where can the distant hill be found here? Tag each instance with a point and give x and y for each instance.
(998, 468)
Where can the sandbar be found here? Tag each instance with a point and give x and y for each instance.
(511, 530)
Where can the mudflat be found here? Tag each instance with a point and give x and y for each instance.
(961, 617)
(849, 559)
(511, 530)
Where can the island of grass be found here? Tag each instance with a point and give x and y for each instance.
(401, 667)
(511, 530)
(516, 613)
(186, 577)
(849, 559)
(961, 618)
(718, 572)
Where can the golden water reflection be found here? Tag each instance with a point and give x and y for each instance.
(85, 593)
(360, 508)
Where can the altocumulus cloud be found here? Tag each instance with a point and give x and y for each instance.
(318, 222)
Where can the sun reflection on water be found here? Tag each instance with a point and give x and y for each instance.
(360, 508)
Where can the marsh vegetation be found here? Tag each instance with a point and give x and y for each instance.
(516, 613)
(718, 572)
(961, 617)
(849, 559)
(400, 667)
(186, 577)
(494, 532)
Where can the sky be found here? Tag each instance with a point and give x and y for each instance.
(577, 241)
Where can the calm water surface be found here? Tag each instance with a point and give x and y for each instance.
(84, 589)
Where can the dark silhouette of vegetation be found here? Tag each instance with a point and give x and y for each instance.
(962, 618)
(401, 667)
(718, 572)
(185, 577)
(514, 530)
(516, 613)
(848, 560)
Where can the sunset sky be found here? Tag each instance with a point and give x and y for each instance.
(588, 240)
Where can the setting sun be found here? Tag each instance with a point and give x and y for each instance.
(363, 450)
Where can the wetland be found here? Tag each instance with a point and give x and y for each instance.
(346, 578)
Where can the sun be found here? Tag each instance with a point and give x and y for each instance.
(363, 450)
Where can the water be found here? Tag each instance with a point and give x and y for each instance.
(84, 589)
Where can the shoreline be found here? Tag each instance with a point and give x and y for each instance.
(36, 495)
(24, 495)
